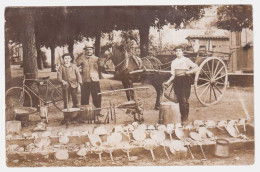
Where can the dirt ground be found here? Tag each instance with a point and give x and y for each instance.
(241, 157)
(229, 107)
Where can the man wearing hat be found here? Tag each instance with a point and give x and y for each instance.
(90, 76)
(181, 69)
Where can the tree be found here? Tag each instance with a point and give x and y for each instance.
(48, 24)
(26, 35)
(235, 17)
(144, 17)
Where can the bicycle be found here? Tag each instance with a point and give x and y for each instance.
(15, 96)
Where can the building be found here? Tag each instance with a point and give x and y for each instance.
(236, 50)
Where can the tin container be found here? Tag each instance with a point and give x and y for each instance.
(87, 113)
(169, 113)
(221, 148)
(13, 127)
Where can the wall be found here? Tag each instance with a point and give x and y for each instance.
(242, 59)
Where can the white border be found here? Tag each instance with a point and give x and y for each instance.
(256, 9)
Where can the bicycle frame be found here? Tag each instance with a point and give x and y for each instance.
(35, 94)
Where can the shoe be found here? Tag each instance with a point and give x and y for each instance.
(99, 114)
(156, 108)
(98, 122)
(184, 120)
(81, 122)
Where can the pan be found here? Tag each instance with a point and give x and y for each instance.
(197, 137)
(114, 139)
(150, 144)
(180, 135)
(158, 136)
(139, 135)
(232, 131)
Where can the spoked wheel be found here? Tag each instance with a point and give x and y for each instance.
(211, 81)
(57, 98)
(17, 97)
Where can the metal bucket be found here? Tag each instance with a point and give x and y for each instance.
(86, 113)
(221, 148)
(169, 113)
(70, 113)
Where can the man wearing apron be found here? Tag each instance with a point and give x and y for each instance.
(181, 69)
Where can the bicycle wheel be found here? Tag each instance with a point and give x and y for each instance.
(17, 97)
(57, 98)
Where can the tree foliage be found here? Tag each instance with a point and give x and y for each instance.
(235, 17)
(59, 26)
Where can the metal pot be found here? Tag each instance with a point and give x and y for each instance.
(71, 112)
(221, 148)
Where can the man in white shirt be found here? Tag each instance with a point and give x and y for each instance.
(181, 68)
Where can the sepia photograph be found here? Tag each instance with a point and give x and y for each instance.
(129, 85)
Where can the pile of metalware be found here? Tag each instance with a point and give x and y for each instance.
(171, 138)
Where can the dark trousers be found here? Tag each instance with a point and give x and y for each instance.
(182, 88)
(93, 88)
(73, 93)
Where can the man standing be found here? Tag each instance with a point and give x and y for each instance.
(90, 77)
(181, 68)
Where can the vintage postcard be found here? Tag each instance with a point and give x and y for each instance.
(129, 85)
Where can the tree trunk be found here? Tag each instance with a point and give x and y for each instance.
(144, 40)
(39, 57)
(53, 59)
(71, 48)
(7, 64)
(97, 43)
(30, 68)
(97, 50)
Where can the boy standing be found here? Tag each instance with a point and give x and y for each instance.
(69, 76)
(181, 68)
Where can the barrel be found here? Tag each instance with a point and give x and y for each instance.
(221, 148)
(169, 113)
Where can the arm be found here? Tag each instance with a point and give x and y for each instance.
(79, 60)
(170, 80)
(194, 67)
(79, 79)
(100, 66)
(167, 83)
(59, 76)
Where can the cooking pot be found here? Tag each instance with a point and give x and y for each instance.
(221, 148)
(70, 112)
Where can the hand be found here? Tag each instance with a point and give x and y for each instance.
(64, 83)
(165, 84)
(187, 73)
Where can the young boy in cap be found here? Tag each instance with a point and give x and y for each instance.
(181, 68)
(69, 76)
(90, 76)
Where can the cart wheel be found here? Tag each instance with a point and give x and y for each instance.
(57, 98)
(211, 81)
(18, 97)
